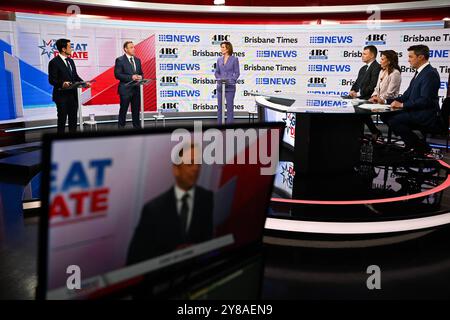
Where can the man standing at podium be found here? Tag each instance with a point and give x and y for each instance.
(128, 68)
(61, 74)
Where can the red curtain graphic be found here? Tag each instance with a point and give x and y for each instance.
(104, 90)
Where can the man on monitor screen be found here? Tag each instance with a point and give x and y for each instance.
(180, 216)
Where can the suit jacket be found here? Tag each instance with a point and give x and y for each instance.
(159, 232)
(421, 99)
(367, 80)
(58, 73)
(230, 70)
(388, 85)
(448, 88)
(123, 71)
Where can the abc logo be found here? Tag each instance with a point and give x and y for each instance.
(221, 37)
(168, 51)
(376, 38)
(317, 80)
(169, 105)
(169, 81)
(318, 52)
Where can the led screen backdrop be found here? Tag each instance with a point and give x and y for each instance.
(317, 59)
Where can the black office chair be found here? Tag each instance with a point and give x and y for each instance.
(441, 128)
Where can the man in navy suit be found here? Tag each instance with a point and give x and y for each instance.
(61, 74)
(419, 104)
(180, 216)
(128, 68)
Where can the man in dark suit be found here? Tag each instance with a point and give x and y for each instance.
(366, 83)
(367, 75)
(128, 68)
(419, 104)
(61, 74)
(180, 216)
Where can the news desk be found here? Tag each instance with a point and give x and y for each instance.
(328, 129)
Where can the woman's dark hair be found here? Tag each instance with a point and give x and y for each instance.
(392, 57)
(229, 47)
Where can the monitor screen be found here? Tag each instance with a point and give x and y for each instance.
(122, 205)
(289, 121)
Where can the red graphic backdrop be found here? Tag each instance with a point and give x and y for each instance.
(104, 90)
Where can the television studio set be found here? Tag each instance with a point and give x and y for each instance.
(138, 162)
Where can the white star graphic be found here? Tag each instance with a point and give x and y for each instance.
(47, 48)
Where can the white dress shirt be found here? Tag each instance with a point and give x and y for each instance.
(422, 67)
(129, 57)
(64, 59)
(179, 193)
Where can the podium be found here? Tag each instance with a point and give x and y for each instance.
(141, 84)
(79, 86)
(222, 83)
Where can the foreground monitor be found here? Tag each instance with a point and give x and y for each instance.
(120, 208)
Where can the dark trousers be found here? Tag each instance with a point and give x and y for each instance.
(370, 124)
(67, 109)
(403, 124)
(133, 99)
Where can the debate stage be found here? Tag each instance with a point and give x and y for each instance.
(327, 227)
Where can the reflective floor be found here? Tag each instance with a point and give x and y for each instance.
(413, 265)
(389, 186)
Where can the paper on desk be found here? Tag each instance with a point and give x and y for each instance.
(375, 106)
(359, 100)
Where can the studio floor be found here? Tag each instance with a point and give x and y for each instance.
(414, 264)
